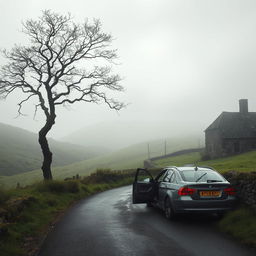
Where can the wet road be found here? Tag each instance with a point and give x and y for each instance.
(107, 224)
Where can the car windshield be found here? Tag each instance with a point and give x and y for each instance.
(201, 176)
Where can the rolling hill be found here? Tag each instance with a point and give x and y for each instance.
(126, 158)
(132, 157)
(20, 151)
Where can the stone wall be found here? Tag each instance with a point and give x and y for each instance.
(245, 184)
(149, 163)
(177, 153)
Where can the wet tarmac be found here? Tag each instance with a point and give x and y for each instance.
(108, 224)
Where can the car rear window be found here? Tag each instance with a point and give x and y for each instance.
(201, 176)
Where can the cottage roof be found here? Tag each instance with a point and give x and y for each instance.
(235, 125)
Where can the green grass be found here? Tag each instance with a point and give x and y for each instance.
(26, 223)
(20, 151)
(241, 224)
(133, 157)
(32, 209)
(244, 162)
(190, 158)
(42, 202)
(127, 158)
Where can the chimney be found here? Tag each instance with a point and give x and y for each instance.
(243, 106)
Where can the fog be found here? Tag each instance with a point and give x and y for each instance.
(183, 62)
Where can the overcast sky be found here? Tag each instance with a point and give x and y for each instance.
(183, 62)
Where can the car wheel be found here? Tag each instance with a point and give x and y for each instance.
(168, 210)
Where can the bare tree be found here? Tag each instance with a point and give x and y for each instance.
(64, 64)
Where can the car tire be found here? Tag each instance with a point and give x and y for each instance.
(168, 210)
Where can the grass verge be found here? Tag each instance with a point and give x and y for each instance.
(245, 162)
(241, 224)
(27, 213)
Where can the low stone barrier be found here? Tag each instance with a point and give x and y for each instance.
(245, 184)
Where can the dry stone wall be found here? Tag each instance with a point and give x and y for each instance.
(245, 184)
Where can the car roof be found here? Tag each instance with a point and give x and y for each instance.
(191, 168)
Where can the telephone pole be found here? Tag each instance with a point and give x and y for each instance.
(148, 152)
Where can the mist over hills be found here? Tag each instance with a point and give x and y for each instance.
(125, 158)
(106, 145)
(20, 151)
(117, 135)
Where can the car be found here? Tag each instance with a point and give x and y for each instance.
(187, 189)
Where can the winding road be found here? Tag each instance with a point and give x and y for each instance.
(108, 224)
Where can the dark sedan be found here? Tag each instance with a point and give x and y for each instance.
(184, 190)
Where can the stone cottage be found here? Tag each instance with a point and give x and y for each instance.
(231, 133)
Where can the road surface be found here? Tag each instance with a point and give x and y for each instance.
(108, 224)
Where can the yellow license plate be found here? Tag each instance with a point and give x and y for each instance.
(209, 193)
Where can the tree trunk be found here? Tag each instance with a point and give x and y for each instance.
(47, 154)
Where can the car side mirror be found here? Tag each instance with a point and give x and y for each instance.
(148, 180)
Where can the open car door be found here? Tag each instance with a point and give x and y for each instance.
(143, 187)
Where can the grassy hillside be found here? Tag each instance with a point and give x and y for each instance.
(244, 162)
(20, 151)
(130, 157)
(180, 160)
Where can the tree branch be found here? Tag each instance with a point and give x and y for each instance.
(49, 69)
